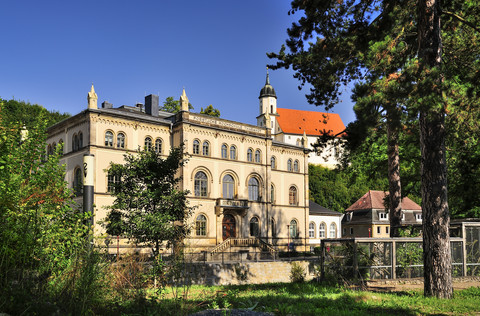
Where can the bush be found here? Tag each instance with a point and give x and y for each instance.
(297, 273)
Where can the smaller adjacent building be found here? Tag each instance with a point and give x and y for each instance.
(368, 216)
(323, 223)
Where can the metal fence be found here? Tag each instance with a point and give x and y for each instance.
(392, 258)
(372, 258)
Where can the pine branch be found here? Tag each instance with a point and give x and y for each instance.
(459, 18)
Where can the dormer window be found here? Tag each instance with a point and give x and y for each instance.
(383, 216)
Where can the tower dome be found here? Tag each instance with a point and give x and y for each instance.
(267, 90)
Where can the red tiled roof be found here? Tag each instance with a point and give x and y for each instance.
(313, 123)
(374, 200)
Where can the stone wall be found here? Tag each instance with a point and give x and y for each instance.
(245, 273)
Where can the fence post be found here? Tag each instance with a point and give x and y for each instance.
(464, 249)
(322, 261)
(355, 259)
(394, 259)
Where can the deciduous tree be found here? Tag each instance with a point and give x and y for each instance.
(154, 210)
(210, 110)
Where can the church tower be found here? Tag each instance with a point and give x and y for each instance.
(268, 106)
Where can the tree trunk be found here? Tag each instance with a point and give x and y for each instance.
(394, 185)
(436, 218)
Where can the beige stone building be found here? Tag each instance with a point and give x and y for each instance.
(245, 184)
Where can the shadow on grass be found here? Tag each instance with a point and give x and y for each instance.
(289, 299)
(304, 299)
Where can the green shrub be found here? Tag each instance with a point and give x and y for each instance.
(297, 273)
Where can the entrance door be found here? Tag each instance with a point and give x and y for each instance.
(228, 226)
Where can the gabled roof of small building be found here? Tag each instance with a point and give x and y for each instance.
(310, 122)
(375, 200)
(317, 209)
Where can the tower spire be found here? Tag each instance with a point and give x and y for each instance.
(267, 81)
(184, 101)
(92, 99)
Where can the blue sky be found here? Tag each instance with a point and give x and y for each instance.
(53, 50)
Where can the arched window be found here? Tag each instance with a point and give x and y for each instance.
(120, 140)
(49, 150)
(108, 139)
(148, 144)
(273, 227)
(289, 165)
(60, 144)
(295, 166)
(112, 180)
(224, 151)
(80, 140)
(250, 154)
(201, 225)
(292, 196)
(201, 184)
(253, 189)
(74, 142)
(54, 147)
(311, 230)
(293, 229)
(196, 147)
(258, 156)
(272, 193)
(77, 182)
(233, 152)
(206, 148)
(228, 187)
(158, 145)
(254, 227)
(333, 230)
(321, 230)
(273, 162)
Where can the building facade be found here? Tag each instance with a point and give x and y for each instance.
(368, 216)
(323, 223)
(244, 183)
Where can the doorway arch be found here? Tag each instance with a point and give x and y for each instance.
(228, 226)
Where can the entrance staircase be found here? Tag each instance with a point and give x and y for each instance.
(245, 245)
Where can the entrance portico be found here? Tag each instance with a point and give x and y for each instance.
(229, 214)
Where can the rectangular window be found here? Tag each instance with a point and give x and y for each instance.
(379, 230)
(351, 231)
(419, 217)
(201, 228)
(383, 216)
(387, 229)
(113, 179)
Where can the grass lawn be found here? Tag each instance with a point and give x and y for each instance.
(304, 299)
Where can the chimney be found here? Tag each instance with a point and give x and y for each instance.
(151, 104)
(106, 105)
